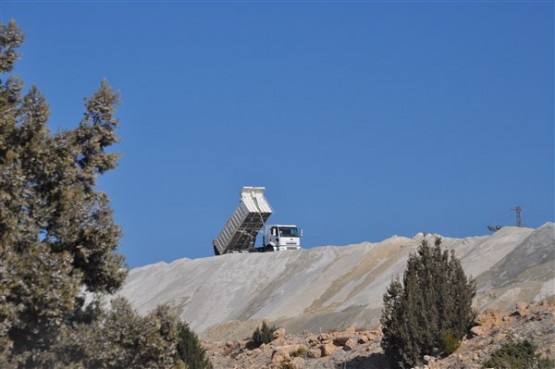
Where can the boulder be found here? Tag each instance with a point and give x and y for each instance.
(278, 333)
(284, 353)
(328, 349)
(297, 363)
(342, 338)
(279, 357)
(351, 344)
(325, 338)
(315, 353)
(313, 341)
(477, 330)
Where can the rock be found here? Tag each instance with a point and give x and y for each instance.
(284, 353)
(351, 344)
(278, 333)
(363, 339)
(499, 337)
(477, 330)
(315, 353)
(279, 337)
(297, 363)
(313, 341)
(324, 338)
(428, 358)
(521, 309)
(342, 338)
(279, 357)
(328, 349)
(372, 335)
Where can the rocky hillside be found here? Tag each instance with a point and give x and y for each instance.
(333, 288)
(360, 349)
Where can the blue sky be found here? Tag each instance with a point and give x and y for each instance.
(362, 119)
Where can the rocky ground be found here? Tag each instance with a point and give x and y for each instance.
(359, 348)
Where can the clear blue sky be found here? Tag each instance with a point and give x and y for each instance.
(362, 119)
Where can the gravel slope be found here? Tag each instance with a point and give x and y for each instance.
(333, 287)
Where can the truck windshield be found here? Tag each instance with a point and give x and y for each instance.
(289, 232)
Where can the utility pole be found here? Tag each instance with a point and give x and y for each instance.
(518, 210)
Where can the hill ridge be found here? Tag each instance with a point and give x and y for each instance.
(334, 287)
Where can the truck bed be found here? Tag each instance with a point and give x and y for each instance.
(240, 231)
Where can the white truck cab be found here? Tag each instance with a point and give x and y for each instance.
(281, 237)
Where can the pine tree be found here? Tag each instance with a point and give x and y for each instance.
(57, 235)
(265, 334)
(433, 301)
(58, 241)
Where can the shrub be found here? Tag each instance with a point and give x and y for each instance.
(518, 355)
(449, 343)
(301, 352)
(263, 335)
(433, 299)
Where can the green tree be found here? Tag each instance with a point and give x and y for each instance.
(190, 350)
(57, 235)
(430, 310)
(58, 240)
(263, 334)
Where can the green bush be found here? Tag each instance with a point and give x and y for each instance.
(433, 300)
(518, 355)
(263, 335)
(449, 343)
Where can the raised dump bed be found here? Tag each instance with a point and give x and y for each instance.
(240, 231)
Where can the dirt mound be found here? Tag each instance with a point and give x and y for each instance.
(333, 288)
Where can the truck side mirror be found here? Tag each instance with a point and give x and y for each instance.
(301, 232)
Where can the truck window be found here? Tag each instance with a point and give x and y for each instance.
(289, 232)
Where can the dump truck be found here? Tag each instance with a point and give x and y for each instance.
(241, 229)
